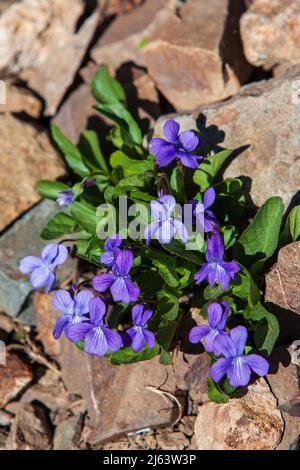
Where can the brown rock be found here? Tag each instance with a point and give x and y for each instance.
(26, 156)
(195, 61)
(172, 441)
(5, 418)
(191, 372)
(284, 382)
(14, 377)
(49, 391)
(252, 422)
(117, 7)
(67, 433)
(271, 32)
(263, 125)
(77, 114)
(122, 42)
(5, 4)
(116, 396)
(30, 429)
(40, 42)
(46, 315)
(282, 292)
(19, 99)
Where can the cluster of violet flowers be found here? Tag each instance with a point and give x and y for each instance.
(84, 315)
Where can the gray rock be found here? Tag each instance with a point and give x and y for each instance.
(262, 121)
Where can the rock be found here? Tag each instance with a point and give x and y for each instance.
(122, 42)
(172, 441)
(49, 391)
(30, 429)
(14, 377)
(5, 418)
(191, 372)
(19, 99)
(46, 315)
(67, 433)
(26, 156)
(195, 61)
(55, 74)
(117, 7)
(5, 4)
(263, 125)
(20, 240)
(77, 113)
(142, 97)
(282, 295)
(41, 43)
(116, 396)
(186, 425)
(271, 32)
(284, 380)
(252, 422)
(3, 438)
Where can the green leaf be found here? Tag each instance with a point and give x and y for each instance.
(70, 152)
(59, 225)
(177, 248)
(50, 189)
(90, 149)
(259, 240)
(245, 288)
(267, 328)
(139, 181)
(165, 357)
(212, 292)
(214, 394)
(165, 265)
(230, 201)
(105, 88)
(85, 214)
(150, 282)
(166, 331)
(128, 356)
(168, 305)
(129, 165)
(117, 113)
(291, 231)
(204, 176)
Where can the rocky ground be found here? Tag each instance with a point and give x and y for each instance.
(231, 68)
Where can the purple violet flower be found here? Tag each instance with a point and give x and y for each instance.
(65, 198)
(163, 226)
(138, 333)
(216, 270)
(217, 314)
(235, 364)
(205, 217)
(176, 146)
(98, 338)
(73, 310)
(119, 281)
(112, 250)
(42, 270)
